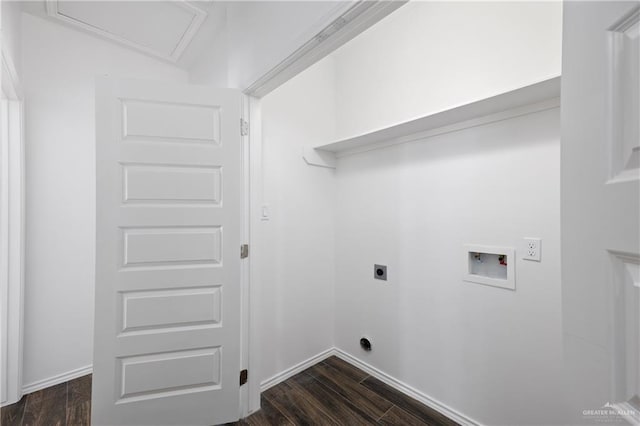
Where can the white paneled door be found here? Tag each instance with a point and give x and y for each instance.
(601, 207)
(167, 306)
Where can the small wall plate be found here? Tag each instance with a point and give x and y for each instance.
(380, 272)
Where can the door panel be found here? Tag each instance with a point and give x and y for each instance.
(172, 184)
(167, 324)
(601, 206)
(170, 121)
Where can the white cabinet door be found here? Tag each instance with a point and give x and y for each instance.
(601, 204)
(167, 305)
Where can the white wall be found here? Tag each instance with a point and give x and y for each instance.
(430, 56)
(59, 70)
(296, 282)
(210, 68)
(492, 354)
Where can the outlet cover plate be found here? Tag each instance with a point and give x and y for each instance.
(532, 249)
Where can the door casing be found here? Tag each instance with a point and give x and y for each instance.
(12, 222)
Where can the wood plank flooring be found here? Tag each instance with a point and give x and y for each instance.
(334, 392)
(331, 392)
(68, 403)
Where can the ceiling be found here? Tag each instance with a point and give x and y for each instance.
(136, 24)
(163, 29)
(240, 39)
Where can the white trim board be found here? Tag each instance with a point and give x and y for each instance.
(10, 82)
(378, 374)
(292, 371)
(352, 22)
(247, 393)
(255, 236)
(12, 232)
(57, 379)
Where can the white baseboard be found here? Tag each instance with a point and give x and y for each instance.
(391, 381)
(55, 380)
(290, 372)
(407, 390)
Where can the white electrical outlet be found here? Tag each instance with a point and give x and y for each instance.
(532, 249)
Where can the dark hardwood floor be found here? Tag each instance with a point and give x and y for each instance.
(331, 392)
(64, 404)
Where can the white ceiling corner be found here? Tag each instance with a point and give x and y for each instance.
(163, 29)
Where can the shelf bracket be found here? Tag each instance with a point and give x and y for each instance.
(319, 157)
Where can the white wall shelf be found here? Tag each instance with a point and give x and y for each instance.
(525, 100)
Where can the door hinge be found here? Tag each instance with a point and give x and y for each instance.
(244, 251)
(244, 375)
(244, 127)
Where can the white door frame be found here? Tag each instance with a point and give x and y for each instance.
(251, 294)
(341, 24)
(11, 233)
(245, 273)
